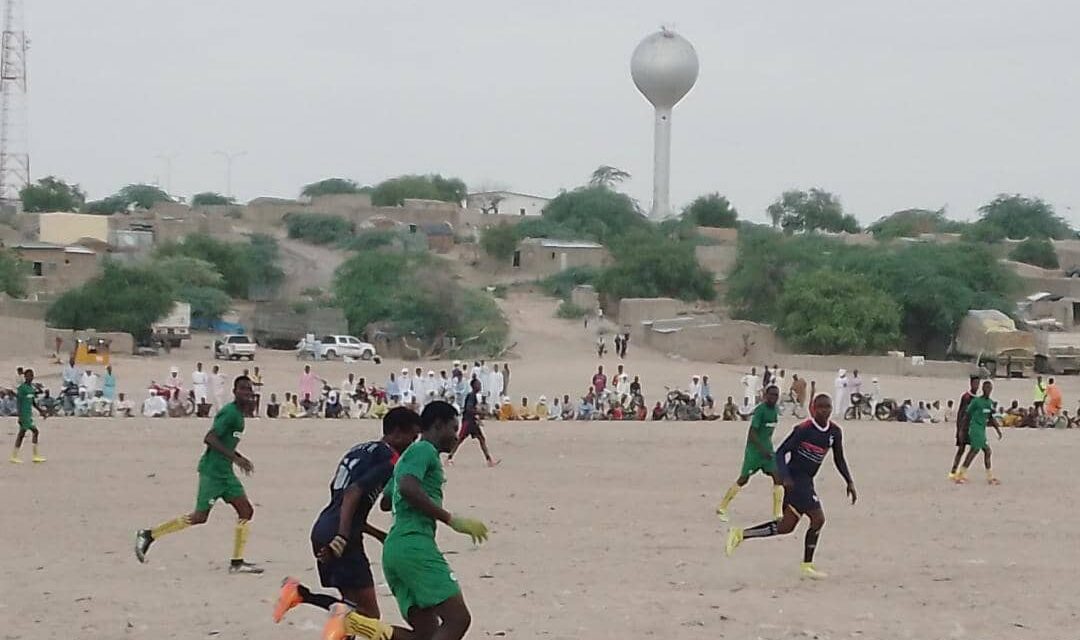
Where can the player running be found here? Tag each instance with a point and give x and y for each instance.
(337, 536)
(24, 400)
(426, 591)
(806, 446)
(470, 425)
(217, 480)
(980, 411)
(962, 420)
(758, 455)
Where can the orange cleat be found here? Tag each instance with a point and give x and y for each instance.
(335, 625)
(288, 597)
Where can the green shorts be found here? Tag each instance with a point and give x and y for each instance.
(417, 573)
(27, 426)
(977, 438)
(214, 487)
(753, 462)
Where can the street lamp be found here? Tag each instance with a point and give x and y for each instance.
(229, 158)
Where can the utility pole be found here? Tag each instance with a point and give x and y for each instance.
(14, 144)
(168, 158)
(229, 158)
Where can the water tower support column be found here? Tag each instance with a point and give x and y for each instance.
(662, 164)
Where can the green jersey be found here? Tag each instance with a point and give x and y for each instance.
(25, 400)
(762, 423)
(228, 427)
(979, 410)
(420, 460)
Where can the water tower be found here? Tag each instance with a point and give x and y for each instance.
(664, 68)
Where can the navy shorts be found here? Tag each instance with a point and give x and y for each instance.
(350, 571)
(801, 496)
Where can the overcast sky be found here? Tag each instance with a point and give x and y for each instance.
(919, 103)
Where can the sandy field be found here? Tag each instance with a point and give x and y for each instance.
(598, 530)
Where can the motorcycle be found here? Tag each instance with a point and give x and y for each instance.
(861, 405)
(886, 410)
(187, 403)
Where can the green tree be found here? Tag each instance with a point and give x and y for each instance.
(106, 206)
(814, 210)
(394, 192)
(243, 266)
(650, 266)
(500, 241)
(595, 213)
(911, 223)
(123, 298)
(264, 262)
(1037, 251)
(607, 176)
(51, 194)
(1020, 217)
(143, 196)
(826, 311)
(196, 282)
(711, 210)
(12, 274)
(211, 198)
(330, 186)
(318, 228)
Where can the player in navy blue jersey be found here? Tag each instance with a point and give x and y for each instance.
(337, 536)
(798, 460)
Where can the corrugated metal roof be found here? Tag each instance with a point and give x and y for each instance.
(549, 243)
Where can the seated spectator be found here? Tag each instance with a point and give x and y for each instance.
(203, 408)
(586, 408)
(507, 410)
(8, 405)
(950, 412)
(310, 407)
(1014, 415)
(524, 412)
(616, 411)
(658, 412)
(175, 406)
(641, 412)
(378, 410)
(906, 412)
(124, 408)
(729, 411)
(82, 405)
(333, 405)
(936, 414)
(49, 405)
(291, 409)
(567, 408)
(155, 406)
(922, 414)
(556, 409)
(708, 412)
(100, 407)
(273, 408)
(541, 411)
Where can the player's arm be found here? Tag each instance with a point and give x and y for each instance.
(214, 442)
(993, 422)
(786, 448)
(411, 491)
(841, 464)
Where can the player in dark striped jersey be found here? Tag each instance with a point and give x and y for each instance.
(798, 460)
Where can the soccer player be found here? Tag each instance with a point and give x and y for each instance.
(337, 537)
(426, 591)
(217, 480)
(962, 424)
(758, 455)
(980, 411)
(24, 402)
(806, 447)
(470, 425)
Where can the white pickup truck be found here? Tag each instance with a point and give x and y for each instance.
(174, 327)
(234, 347)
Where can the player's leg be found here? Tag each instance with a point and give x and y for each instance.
(777, 493)
(455, 618)
(244, 513)
(18, 445)
(956, 460)
(990, 478)
(484, 448)
(34, 435)
(733, 490)
(463, 433)
(973, 450)
(817, 521)
(783, 526)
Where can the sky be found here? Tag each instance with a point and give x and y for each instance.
(894, 105)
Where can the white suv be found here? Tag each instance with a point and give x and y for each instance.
(331, 347)
(234, 347)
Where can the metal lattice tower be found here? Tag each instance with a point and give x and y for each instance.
(14, 135)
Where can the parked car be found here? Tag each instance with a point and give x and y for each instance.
(234, 347)
(330, 347)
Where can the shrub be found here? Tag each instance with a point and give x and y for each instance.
(1036, 251)
(569, 311)
(317, 228)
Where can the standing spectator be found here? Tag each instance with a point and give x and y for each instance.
(635, 387)
(841, 397)
(309, 384)
(89, 382)
(599, 381)
(506, 378)
(601, 346)
(218, 382)
(1040, 395)
(173, 383)
(199, 380)
(618, 345)
(257, 387)
(798, 389)
(108, 384)
(750, 384)
(706, 390)
(625, 344)
(393, 391)
(72, 375)
(1053, 399)
(498, 383)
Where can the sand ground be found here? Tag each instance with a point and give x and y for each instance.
(598, 530)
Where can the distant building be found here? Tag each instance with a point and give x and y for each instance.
(507, 203)
(69, 228)
(440, 236)
(542, 257)
(55, 268)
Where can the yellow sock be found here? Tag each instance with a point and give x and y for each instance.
(989, 474)
(35, 451)
(15, 452)
(240, 539)
(778, 500)
(369, 628)
(729, 496)
(172, 526)
(961, 472)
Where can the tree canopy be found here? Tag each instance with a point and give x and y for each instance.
(12, 274)
(911, 223)
(318, 228)
(711, 210)
(649, 265)
(1036, 251)
(1018, 217)
(595, 213)
(394, 192)
(196, 282)
(826, 311)
(51, 194)
(122, 298)
(332, 186)
(934, 285)
(607, 176)
(244, 266)
(500, 241)
(141, 196)
(814, 210)
(210, 198)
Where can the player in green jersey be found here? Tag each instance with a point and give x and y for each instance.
(24, 397)
(980, 412)
(426, 591)
(217, 480)
(758, 455)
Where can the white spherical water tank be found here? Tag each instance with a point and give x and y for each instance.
(664, 67)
